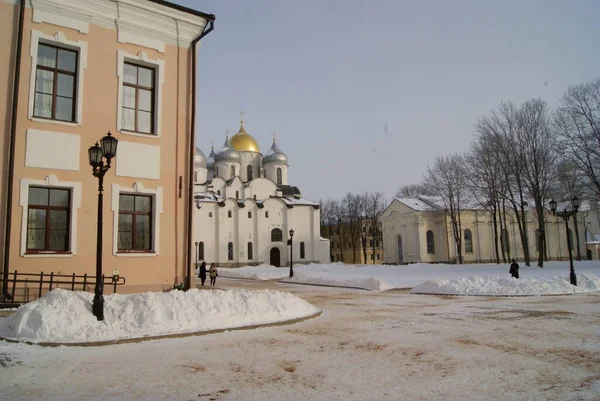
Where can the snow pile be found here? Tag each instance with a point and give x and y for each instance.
(495, 286)
(65, 316)
(333, 279)
(261, 272)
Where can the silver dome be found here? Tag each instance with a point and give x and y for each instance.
(228, 154)
(275, 155)
(199, 159)
(211, 159)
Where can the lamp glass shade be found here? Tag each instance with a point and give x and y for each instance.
(575, 203)
(291, 232)
(95, 155)
(553, 205)
(109, 146)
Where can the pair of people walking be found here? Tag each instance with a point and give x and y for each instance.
(212, 273)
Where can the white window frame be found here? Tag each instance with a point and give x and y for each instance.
(157, 209)
(158, 66)
(58, 40)
(50, 182)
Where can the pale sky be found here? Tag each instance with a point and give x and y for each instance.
(327, 76)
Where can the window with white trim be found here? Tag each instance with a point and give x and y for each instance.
(135, 223)
(138, 105)
(48, 214)
(56, 86)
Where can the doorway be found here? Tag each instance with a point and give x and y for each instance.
(400, 253)
(275, 257)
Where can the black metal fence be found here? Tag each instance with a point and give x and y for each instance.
(27, 287)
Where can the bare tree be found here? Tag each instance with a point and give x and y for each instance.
(413, 191)
(447, 180)
(577, 121)
(485, 182)
(537, 140)
(501, 130)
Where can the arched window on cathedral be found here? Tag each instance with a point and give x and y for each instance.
(430, 242)
(201, 251)
(195, 175)
(219, 192)
(302, 251)
(230, 251)
(237, 194)
(229, 214)
(231, 171)
(250, 253)
(249, 173)
(276, 235)
(279, 174)
(468, 241)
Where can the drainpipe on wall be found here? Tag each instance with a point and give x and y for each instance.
(11, 152)
(211, 26)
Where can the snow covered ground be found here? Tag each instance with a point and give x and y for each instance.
(367, 345)
(471, 279)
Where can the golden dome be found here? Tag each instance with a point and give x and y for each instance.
(244, 142)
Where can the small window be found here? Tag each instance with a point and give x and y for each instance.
(229, 214)
(230, 251)
(249, 215)
(48, 222)
(219, 192)
(195, 176)
(201, 251)
(254, 196)
(250, 253)
(371, 243)
(137, 112)
(468, 241)
(237, 194)
(55, 83)
(372, 256)
(350, 244)
(504, 240)
(266, 214)
(276, 235)
(279, 176)
(249, 173)
(209, 214)
(377, 256)
(430, 242)
(135, 223)
(302, 252)
(231, 171)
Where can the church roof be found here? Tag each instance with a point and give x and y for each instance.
(243, 141)
(199, 159)
(275, 155)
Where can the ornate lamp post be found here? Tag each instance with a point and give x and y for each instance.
(107, 149)
(291, 253)
(565, 214)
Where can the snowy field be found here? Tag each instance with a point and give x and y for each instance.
(471, 279)
(367, 345)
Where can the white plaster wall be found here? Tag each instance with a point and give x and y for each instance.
(236, 186)
(271, 172)
(223, 169)
(261, 187)
(253, 159)
(201, 175)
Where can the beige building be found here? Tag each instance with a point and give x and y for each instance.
(419, 231)
(71, 71)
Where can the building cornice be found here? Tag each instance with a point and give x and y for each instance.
(148, 20)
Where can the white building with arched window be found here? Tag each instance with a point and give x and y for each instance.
(245, 208)
(420, 231)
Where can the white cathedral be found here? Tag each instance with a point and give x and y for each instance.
(245, 208)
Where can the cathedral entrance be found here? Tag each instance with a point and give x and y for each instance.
(400, 253)
(275, 257)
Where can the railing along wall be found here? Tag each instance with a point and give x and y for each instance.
(27, 287)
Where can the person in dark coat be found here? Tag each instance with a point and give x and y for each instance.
(514, 269)
(202, 274)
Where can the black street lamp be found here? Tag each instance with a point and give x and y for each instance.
(291, 253)
(107, 149)
(565, 214)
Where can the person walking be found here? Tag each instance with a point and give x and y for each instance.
(514, 269)
(212, 272)
(202, 274)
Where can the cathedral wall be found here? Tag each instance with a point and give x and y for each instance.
(271, 172)
(250, 159)
(262, 188)
(223, 169)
